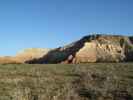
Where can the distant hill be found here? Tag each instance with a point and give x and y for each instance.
(91, 48)
(25, 55)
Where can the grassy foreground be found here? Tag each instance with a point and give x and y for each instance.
(100, 81)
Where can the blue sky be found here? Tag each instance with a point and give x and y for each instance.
(53, 23)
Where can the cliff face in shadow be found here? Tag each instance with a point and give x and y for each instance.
(131, 39)
(91, 48)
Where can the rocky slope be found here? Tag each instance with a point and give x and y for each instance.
(25, 55)
(91, 48)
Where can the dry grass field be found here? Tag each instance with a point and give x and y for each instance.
(94, 81)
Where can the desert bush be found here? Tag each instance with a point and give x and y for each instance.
(98, 85)
(105, 81)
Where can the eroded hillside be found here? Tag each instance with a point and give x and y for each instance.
(91, 48)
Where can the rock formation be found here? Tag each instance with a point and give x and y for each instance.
(91, 48)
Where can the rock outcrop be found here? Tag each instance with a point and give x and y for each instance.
(89, 49)
(92, 48)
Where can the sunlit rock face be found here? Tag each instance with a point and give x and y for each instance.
(87, 53)
(96, 52)
(105, 48)
(31, 54)
(92, 48)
